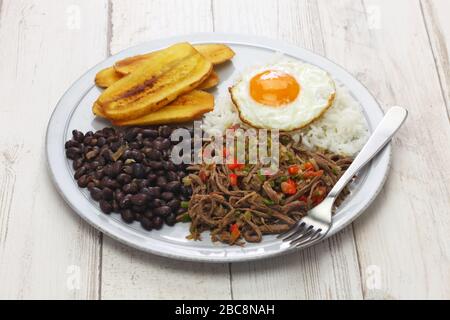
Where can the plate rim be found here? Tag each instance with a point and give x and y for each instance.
(211, 37)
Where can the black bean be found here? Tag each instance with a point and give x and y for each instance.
(96, 193)
(98, 174)
(157, 222)
(148, 214)
(166, 144)
(81, 171)
(106, 182)
(134, 145)
(161, 173)
(116, 168)
(130, 188)
(135, 154)
(73, 153)
(155, 165)
(125, 202)
(154, 192)
(174, 204)
(164, 131)
(83, 181)
(123, 178)
(142, 183)
(155, 154)
(128, 169)
(127, 215)
(108, 194)
(77, 163)
(108, 131)
(87, 140)
(168, 165)
(165, 154)
(138, 170)
(111, 139)
(139, 199)
(162, 211)
(150, 133)
(146, 223)
(115, 146)
(167, 195)
(138, 216)
(151, 177)
(147, 143)
(156, 203)
(171, 219)
(161, 181)
(71, 144)
(181, 210)
(146, 151)
(101, 141)
(93, 142)
(173, 186)
(98, 133)
(94, 165)
(107, 154)
(92, 154)
(157, 144)
(131, 134)
(118, 195)
(140, 209)
(105, 206)
(181, 174)
(77, 135)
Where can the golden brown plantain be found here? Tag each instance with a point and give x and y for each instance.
(97, 110)
(170, 73)
(215, 53)
(186, 107)
(210, 82)
(106, 77)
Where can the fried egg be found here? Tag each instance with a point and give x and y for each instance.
(285, 95)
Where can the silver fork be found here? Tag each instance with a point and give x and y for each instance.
(316, 224)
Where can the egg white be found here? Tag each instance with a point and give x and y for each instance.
(316, 96)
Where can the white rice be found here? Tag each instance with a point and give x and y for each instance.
(222, 117)
(342, 129)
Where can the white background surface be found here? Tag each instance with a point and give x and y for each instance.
(400, 248)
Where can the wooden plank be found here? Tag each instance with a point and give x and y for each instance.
(330, 269)
(127, 273)
(403, 240)
(438, 28)
(46, 251)
(148, 20)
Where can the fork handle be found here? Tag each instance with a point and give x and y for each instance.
(391, 122)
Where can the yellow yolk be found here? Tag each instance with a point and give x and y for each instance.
(274, 88)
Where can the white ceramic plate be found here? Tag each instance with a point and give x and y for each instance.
(74, 112)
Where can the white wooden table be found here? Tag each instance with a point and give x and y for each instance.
(400, 248)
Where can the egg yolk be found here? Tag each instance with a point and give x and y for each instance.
(274, 88)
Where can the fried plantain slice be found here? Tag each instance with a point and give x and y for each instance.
(210, 82)
(185, 108)
(97, 110)
(215, 53)
(106, 77)
(170, 73)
